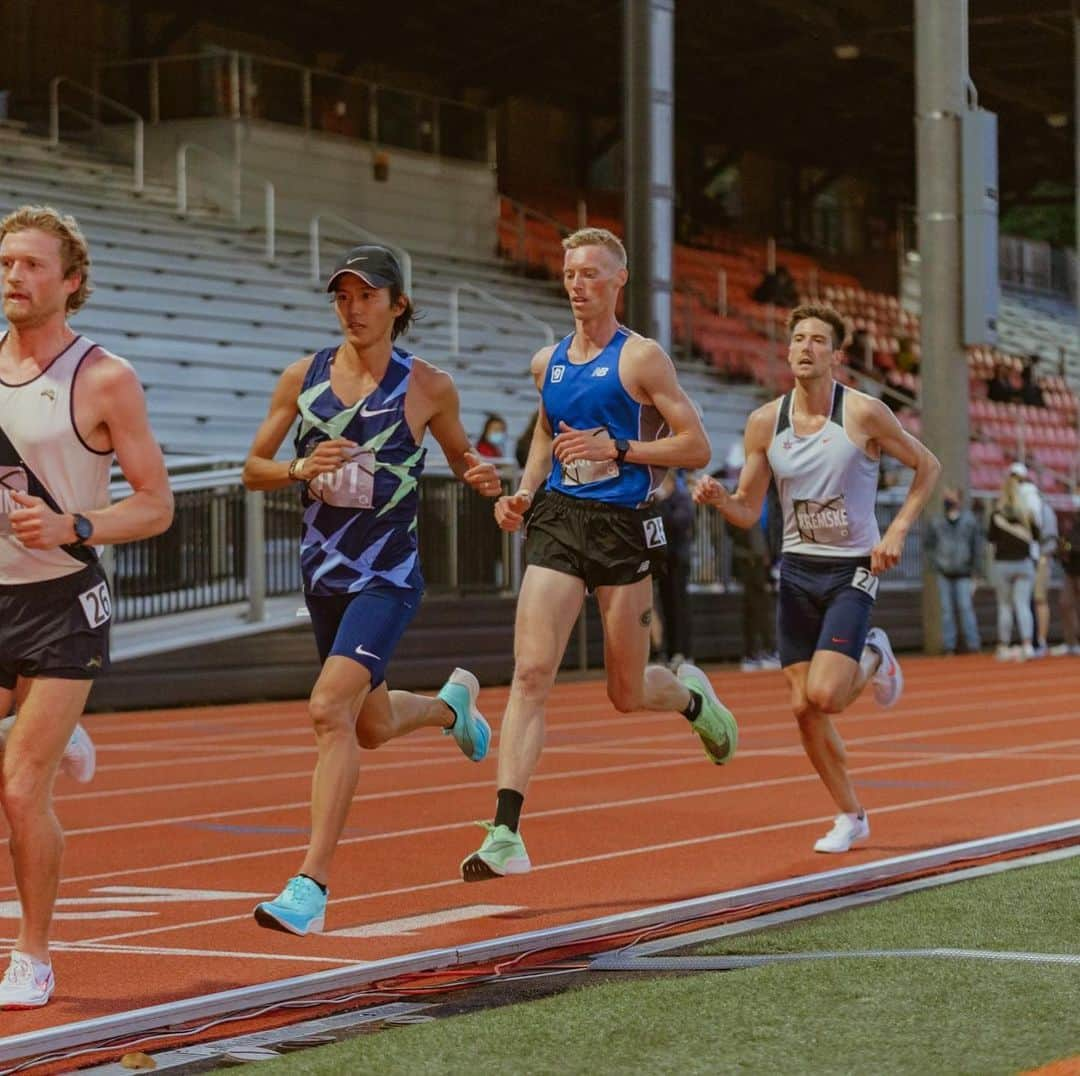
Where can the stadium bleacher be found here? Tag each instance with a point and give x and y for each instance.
(715, 312)
(210, 326)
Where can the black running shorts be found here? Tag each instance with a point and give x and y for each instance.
(606, 545)
(56, 628)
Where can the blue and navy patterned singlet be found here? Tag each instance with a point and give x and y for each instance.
(359, 524)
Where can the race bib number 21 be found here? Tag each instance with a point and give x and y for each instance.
(865, 582)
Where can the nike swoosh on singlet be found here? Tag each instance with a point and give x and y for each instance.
(365, 413)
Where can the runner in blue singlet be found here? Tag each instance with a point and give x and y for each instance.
(363, 409)
(612, 420)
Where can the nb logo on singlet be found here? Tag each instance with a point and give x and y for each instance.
(601, 371)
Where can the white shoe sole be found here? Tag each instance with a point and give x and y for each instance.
(79, 760)
(823, 845)
(895, 683)
(265, 918)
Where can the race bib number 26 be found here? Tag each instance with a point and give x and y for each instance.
(97, 607)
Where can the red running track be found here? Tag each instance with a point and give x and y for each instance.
(198, 813)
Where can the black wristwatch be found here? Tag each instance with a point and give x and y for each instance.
(622, 446)
(84, 529)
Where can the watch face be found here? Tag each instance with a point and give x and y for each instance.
(83, 528)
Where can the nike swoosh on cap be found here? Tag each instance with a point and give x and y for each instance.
(362, 258)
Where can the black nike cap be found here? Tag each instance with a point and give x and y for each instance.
(373, 264)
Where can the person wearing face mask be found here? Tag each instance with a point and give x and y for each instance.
(954, 544)
(492, 441)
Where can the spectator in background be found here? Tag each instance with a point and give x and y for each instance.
(1012, 532)
(1048, 540)
(906, 359)
(753, 559)
(521, 446)
(1068, 552)
(1030, 392)
(778, 288)
(1041, 551)
(676, 509)
(1000, 389)
(859, 353)
(954, 544)
(492, 442)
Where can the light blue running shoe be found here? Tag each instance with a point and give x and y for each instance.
(470, 730)
(300, 908)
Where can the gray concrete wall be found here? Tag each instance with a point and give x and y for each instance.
(431, 202)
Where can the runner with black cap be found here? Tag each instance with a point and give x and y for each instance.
(363, 407)
(67, 407)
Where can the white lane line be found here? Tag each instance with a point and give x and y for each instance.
(152, 950)
(612, 722)
(607, 805)
(621, 853)
(239, 812)
(410, 924)
(969, 692)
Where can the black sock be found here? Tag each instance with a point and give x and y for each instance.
(319, 884)
(694, 708)
(508, 808)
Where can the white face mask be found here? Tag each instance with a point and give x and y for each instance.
(496, 438)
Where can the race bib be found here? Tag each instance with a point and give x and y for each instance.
(97, 608)
(586, 472)
(824, 522)
(655, 538)
(866, 582)
(350, 486)
(11, 479)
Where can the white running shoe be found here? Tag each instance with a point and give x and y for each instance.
(888, 681)
(847, 830)
(79, 759)
(26, 983)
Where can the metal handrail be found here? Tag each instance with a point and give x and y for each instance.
(403, 256)
(139, 136)
(493, 300)
(269, 196)
(306, 72)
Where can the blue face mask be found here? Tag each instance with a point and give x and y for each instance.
(496, 438)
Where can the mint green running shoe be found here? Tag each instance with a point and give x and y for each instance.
(471, 732)
(716, 723)
(503, 852)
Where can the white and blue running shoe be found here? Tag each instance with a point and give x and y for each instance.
(300, 908)
(470, 730)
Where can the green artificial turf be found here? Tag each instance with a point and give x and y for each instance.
(854, 1016)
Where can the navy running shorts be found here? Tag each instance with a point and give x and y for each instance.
(824, 603)
(365, 627)
(606, 545)
(55, 628)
